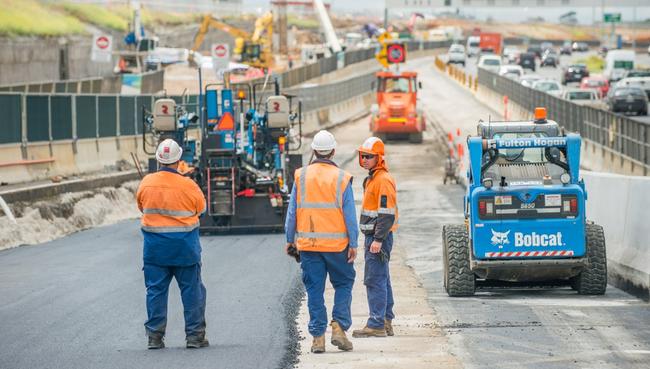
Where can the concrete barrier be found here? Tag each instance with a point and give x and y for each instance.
(619, 204)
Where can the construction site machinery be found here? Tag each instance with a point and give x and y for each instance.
(396, 115)
(525, 213)
(253, 49)
(247, 162)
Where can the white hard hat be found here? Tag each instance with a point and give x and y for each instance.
(323, 142)
(168, 152)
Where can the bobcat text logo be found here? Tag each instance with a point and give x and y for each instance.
(500, 238)
(534, 239)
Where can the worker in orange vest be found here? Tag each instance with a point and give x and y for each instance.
(171, 205)
(378, 221)
(321, 223)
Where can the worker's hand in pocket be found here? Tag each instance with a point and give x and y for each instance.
(352, 254)
(375, 246)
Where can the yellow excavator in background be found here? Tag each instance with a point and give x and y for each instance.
(255, 50)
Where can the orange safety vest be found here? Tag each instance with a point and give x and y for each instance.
(320, 225)
(379, 202)
(169, 203)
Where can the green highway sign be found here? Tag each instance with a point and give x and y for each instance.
(612, 17)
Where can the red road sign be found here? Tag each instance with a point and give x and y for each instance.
(396, 53)
(220, 51)
(102, 42)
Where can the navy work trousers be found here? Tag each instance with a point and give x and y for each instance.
(377, 281)
(193, 294)
(315, 268)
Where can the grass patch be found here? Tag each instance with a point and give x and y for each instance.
(594, 63)
(303, 23)
(29, 17)
(98, 15)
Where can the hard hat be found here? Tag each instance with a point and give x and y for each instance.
(373, 146)
(323, 142)
(168, 152)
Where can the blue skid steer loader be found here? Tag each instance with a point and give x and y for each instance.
(525, 221)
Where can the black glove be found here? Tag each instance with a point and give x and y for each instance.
(293, 251)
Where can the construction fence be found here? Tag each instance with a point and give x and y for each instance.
(618, 133)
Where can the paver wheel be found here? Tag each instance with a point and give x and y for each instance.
(593, 280)
(459, 280)
(415, 137)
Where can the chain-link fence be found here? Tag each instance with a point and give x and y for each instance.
(616, 132)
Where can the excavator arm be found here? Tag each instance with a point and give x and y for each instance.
(210, 22)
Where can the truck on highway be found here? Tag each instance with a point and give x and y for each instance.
(491, 43)
(525, 213)
(617, 63)
(396, 115)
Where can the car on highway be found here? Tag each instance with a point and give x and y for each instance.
(550, 58)
(627, 100)
(490, 62)
(566, 48)
(640, 82)
(510, 54)
(456, 54)
(574, 73)
(473, 43)
(527, 60)
(584, 97)
(536, 49)
(546, 45)
(596, 82)
(511, 71)
(637, 73)
(550, 86)
(580, 46)
(528, 79)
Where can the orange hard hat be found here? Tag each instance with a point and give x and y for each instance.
(373, 146)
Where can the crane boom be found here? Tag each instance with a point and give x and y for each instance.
(330, 35)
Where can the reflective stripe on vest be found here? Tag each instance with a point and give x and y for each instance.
(171, 213)
(320, 225)
(151, 229)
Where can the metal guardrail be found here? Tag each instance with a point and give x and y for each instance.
(618, 133)
(41, 117)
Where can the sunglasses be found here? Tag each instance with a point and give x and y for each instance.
(367, 156)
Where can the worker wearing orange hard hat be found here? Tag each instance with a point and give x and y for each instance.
(378, 221)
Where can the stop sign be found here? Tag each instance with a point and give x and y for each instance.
(102, 42)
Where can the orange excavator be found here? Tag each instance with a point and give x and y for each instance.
(396, 114)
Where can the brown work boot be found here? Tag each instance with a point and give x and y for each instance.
(369, 332)
(339, 339)
(196, 341)
(388, 324)
(318, 346)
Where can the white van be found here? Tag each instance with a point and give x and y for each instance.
(473, 47)
(490, 62)
(617, 62)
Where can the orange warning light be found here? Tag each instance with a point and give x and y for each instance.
(540, 113)
(241, 94)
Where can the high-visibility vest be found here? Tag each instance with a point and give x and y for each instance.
(379, 201)
(169, 203)
(320, 225)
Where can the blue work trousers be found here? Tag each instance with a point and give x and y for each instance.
(377, 280)
(193, 294)
(315, 268)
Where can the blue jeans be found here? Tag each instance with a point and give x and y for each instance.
(377, 281)
(157, 279)
(315, 267)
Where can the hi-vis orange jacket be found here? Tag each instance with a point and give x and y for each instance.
(379, 208)
(320, 224)
(171, 205)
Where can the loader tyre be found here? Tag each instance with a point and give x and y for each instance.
(459, 280)
(593, 280)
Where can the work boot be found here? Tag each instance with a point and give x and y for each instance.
(197, 341)
(369, 332)
(339, 339)
(388, 324)
(318, 346)
(156, 342)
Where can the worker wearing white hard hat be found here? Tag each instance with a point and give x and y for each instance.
(171, 205)
(321, 224)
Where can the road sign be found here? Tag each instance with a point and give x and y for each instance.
(381, 55)
(102, 48)
(220, 57)
(612, 17)
(396, 53)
